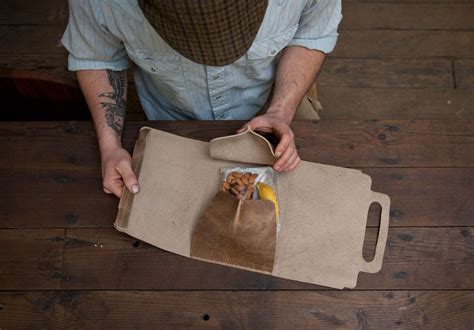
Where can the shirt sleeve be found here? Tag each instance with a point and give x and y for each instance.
(317, 27)
(91, 46)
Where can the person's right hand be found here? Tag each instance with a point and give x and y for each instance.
(117, 171)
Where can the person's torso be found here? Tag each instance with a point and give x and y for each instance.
(172, 87)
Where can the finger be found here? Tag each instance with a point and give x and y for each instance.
(129, 178)
(290, 161)
(294, 164)
(261, 124)
(243, 128)
(285, 141)
(281, 163)
(113, 187)
(253, 124)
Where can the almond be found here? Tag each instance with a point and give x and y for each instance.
(240, 188)
(236, 175)
(248, 195)
(252, 178)
(235, 191)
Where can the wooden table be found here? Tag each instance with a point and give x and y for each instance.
(63, 264)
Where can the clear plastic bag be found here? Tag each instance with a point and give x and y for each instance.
(243, 183)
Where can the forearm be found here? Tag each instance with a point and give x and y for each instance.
(105, 92)
(296, 72)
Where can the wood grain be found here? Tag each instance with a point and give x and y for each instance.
(408, 1)
(55, 64)
(276, 310)
(23, 39)
(465, 75)
(415, 44)
(359, 103)
(26, 12)
(55, 198)
(106, 259)
(420, 16)
(31, 259)
(387, 73)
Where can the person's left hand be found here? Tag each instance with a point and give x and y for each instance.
(285, 151)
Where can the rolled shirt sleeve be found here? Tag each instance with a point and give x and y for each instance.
(91, 46)
(317, 28)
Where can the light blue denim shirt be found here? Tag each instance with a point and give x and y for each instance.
(105, 34)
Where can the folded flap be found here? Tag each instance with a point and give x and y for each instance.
(126, 200)
(247, 147)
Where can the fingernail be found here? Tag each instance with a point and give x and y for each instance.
(135, 189)
(278, 154)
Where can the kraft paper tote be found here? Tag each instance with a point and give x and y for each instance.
(323, 208)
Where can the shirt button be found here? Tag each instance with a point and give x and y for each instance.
(153, 69)
(216, 77)
(273, 52)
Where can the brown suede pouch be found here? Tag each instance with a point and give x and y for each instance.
(239, 233)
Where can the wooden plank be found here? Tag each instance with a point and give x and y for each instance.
(23, 39)
(361, 144)
(404, 44)
(45, 154)
(49, 198)
(50, 63)
(31, 259)
(19, 12)
(464, 70)
(275, 310)
(388, 73)
(55, 198)
(427, 196)
(106, 259)
(395, 15)
(394, 103)
(408, 1)
(415, 143)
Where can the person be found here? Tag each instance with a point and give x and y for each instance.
(250, 60)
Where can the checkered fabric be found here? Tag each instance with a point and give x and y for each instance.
(209, 32)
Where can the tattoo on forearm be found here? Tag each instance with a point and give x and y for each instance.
(115, 109)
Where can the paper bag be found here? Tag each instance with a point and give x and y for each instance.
(236, 232)
(324, 207)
